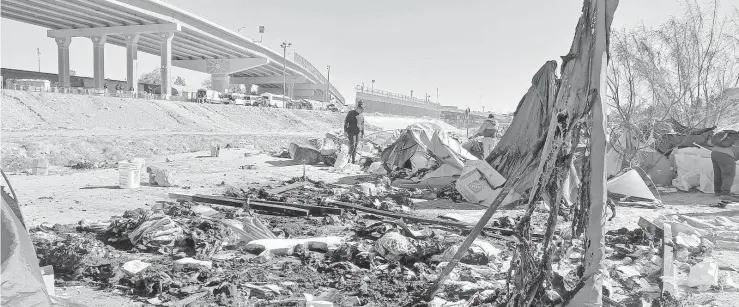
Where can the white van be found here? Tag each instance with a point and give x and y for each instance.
(275, 101)
(209, 96)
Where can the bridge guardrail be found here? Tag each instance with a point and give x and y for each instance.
(302, 62)
(361, 89)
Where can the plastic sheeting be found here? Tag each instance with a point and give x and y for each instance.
(695, 170)
(22, 283)
(441, 150)
(630, 184)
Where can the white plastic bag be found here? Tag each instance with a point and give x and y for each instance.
(342, 157)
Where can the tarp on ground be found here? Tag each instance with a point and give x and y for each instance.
(695, 170)
(630, 184)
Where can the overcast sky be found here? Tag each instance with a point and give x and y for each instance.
(477, 52)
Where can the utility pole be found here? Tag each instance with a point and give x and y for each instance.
(373, 86)
(411, 95)
(38, 52)
(284, 46)
(328, 82)
(437, 95)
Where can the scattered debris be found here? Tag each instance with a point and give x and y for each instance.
(160, 177)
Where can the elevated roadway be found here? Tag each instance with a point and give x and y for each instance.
(180, 38)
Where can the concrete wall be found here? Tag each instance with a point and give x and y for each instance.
(389, 105)
(74, 81)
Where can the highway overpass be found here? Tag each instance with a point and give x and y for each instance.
(180, 38)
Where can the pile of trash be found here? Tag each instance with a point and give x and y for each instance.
(175, 253)
(643, 261)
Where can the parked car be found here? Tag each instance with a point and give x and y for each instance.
(332, 107)
(236, 98)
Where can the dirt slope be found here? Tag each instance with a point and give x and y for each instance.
(72, 128)
(24, 111)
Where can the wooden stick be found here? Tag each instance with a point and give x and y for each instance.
(238, 203)
(668, 270)
(314, 210)
(494, 204)
(419, 219)
(288, 187)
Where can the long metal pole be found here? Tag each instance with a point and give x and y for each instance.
(328, 83)
(284, 65)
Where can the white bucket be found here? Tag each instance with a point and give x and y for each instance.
(40, 167)
(129, 175)
(141, 164)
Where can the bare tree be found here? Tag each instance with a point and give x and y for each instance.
(677, 71)
(688, 64)
(207, 83)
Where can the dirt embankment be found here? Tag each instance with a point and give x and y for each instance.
(73, 128)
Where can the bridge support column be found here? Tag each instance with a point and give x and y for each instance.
(132, 74)
(98, 57)
(166, 54)
(62, 44)
(219, 82)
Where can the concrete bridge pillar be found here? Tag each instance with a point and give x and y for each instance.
(166, 66)
(98, 57)
(62, 44)
(219, 82)
(132, 74)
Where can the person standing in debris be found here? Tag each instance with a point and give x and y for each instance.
(488, 131)
(724, 155)
(354, 128)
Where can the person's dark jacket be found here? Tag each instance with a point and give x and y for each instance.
(354, 123)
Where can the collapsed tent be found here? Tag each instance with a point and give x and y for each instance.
(415, 150)
(23, 283)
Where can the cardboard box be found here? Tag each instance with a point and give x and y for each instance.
(479, 181)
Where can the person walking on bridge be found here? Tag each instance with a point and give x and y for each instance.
(354, 128)
(488, 131)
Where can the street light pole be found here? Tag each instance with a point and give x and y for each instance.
(373, 86)
(328, 83)
(411, 95)
(284, 46)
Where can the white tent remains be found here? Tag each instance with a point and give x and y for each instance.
(423, 146)
(695, 170)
